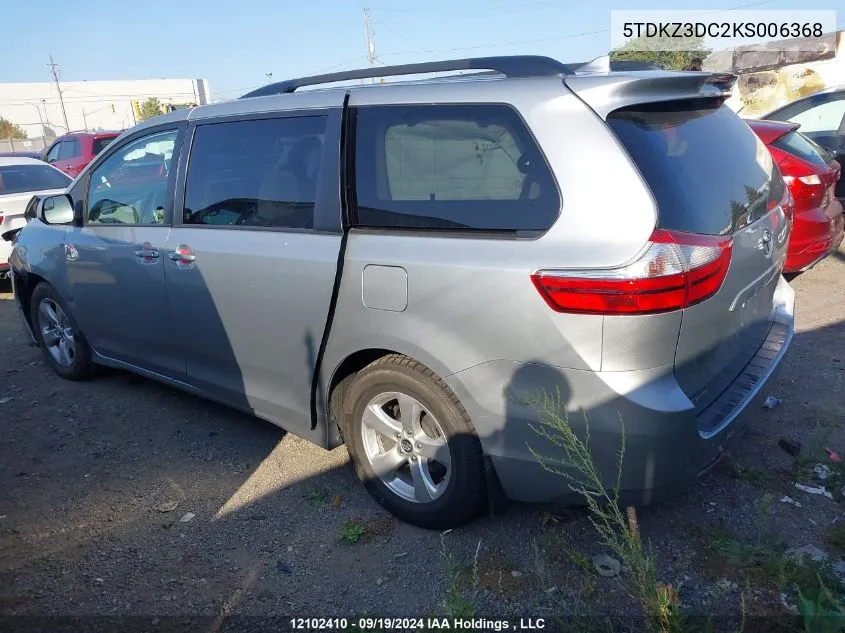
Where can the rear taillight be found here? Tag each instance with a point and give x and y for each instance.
(809, 189)
(676, 270)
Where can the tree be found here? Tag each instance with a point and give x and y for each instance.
(150, 108)
(10, 130)
(670, 53)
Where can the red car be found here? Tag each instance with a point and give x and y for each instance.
(811, 177)
(72, 152)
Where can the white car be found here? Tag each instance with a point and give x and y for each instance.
(20, 179)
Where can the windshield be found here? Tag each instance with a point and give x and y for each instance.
(708, 171)
(25, 178)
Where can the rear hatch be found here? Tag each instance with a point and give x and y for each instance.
(710, 175)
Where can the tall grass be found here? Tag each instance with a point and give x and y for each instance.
(617, 528)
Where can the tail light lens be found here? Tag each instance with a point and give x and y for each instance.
(676, 270)
(808, 187)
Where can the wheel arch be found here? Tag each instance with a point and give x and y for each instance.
(344, 368)
(24, 287)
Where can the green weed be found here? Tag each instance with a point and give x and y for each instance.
(352, 531)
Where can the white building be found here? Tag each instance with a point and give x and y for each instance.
(92, 105)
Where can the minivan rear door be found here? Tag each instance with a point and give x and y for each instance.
(252, 258)
(710, 174)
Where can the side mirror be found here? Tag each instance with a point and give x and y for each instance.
(56, 210)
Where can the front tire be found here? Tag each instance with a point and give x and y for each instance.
(413, 444)
(61, 341)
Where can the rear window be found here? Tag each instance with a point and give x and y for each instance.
(25, 178)
(451, 167)
(101, 143)
(799, 145)
(708, 171)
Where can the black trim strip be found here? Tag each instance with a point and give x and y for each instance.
(346, 195)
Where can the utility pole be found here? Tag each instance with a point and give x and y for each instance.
(52, 66)
(371, 45)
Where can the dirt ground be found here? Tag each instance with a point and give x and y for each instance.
(120, 497)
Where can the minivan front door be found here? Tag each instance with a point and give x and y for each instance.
(115, 260)
(252, 259)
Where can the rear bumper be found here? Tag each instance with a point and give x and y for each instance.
(667, 446)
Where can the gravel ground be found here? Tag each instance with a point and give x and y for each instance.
(99, 478)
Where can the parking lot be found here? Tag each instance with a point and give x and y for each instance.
(124, 497)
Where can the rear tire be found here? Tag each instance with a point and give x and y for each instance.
(426, 466)
(60, 339)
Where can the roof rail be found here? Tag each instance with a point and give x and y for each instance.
(511, 66)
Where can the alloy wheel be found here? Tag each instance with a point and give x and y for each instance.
(56, 332)
(406, 447)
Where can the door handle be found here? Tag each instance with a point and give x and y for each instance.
(147, 253)
(183, 255)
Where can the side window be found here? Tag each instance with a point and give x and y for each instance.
(130, 186)
(260, 173)
(451, 167)
(824, 117)
(53, 154)
(99, 144)
(69, 149)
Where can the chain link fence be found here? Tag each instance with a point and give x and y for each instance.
(24, 144)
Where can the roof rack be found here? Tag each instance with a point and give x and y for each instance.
(512, 66)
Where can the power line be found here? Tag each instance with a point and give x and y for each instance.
(411, 14)
(549, 39)
(338, 65)
(52, 66)
(304, 74)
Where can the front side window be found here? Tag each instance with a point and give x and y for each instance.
(259, 173)
(130, 186)
(26, 178)
(451, 167)
(53, 154)
(825, 117)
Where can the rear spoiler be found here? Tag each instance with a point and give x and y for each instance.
(607, 92)
(770, 131)
(605, 64)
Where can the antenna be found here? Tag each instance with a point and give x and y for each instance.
(53, 66)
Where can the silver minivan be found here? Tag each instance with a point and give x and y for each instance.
(394, 266)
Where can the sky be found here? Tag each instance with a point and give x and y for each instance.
(235, 44)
